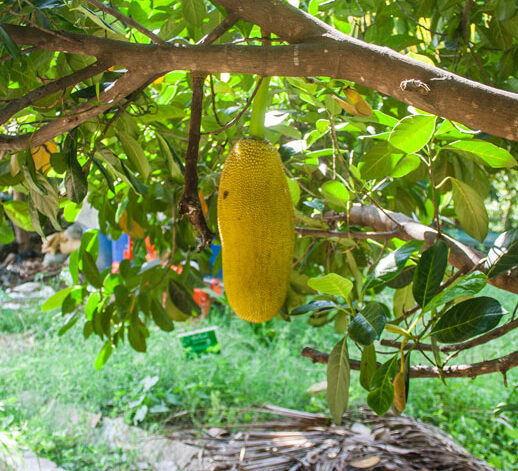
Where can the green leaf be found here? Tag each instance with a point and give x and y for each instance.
(104, 355)
(294, 189)
(468, 319)
(317, 305)
(10, 45)
(172, 165)
(73, 266)
(56, 299)
(412, 133)
(331, 284)
(468, 285)
(393, 263)
(6, 233)
(160, 317)
(338, 378)
(90, 271)
(135, 154)
(335, 192)
(492, 155)
(379, 161)
(382, 394)
(136, 338)
(76, 184)
(470, 210)
(92, 304)
(193, 11)
(504, 254)
(18, 213)
(368, 324)
(406, 165)
(429, 272)
(367, 366)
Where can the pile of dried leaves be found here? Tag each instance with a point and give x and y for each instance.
(304, 441)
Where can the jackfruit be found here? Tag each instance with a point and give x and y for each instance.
(256, 227)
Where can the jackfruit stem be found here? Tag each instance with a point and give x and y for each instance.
(259, 109)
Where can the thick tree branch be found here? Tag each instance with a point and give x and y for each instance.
(461, 256)
(55, 86)
(456, 347)
(451, 96)
(497, 365)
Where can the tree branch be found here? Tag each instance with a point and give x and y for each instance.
(334, 54)
(55, 86)
(455, 347)
(127, 20)
(190, 201)
(126, 84)
(345, 235)
(497, 365)
(461, 256)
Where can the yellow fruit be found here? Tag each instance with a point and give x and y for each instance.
(136, 231)
(256, 226)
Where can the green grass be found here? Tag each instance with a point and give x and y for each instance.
(257, 364)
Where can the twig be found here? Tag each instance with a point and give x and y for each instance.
(128, 21)
(345, 235)
(219, 30)
(482, 339)
(497, 365)
(52, 87)
(213, 99)
(241, 113)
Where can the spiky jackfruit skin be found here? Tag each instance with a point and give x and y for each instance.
(256, 227)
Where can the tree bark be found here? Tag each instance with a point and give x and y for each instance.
(332, 54)
(502, 365)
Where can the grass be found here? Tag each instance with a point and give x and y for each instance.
(257, 364)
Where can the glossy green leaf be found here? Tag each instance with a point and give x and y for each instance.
(193, 11)
(10, 45)
(137, 338)
(393, 263)
(429, 272)
(503, 256)
(338, 378)
(90, 270)
(317, 305)
(468, 319)
(470, 210)
(367, 366)
(335, 192)
(135, 154)
(492, 155)
(412, 133)
(160, 317)
(18, 213)
(367, 325)
(56, 299)
(294, 190)
(103, 355)
(332, 284)
(379, 162)
(6, 233)
(406, 165)
(468, 285)
(382, 390)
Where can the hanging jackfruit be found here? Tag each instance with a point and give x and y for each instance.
(256, 226)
